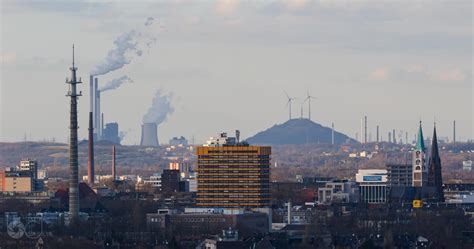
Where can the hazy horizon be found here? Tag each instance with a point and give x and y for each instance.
(227, 65)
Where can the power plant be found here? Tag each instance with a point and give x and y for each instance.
(149, 134)
(73, 156)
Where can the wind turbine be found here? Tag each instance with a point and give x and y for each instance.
(289, 103)
(308, 98)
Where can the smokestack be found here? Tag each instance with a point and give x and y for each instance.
(454, 131)
(73, 154)
(361, 130)
(114, 177)
(90, 164)
(96, 113)
(149, 135)
(102, 125)
(406, 137)
(378, 134)
(99, 123)
(389, 137)
(91, 93)
(332, 133)
(393, 135)
(365, 129)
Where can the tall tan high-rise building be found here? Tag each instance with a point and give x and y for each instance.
(233, 174)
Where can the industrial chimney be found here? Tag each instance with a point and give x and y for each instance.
(454, 131)
(149, 134)
(90, 164)
(114, 177)
(96, 113)
(378, 134)
(365, 129)
(99, 124)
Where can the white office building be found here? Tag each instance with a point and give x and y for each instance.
(372, 185)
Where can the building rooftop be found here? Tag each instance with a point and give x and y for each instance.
(223, 140)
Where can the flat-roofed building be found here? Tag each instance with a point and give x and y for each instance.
(233, 174)
(372, 185)
(18, 181)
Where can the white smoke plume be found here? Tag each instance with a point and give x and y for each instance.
(159, 109)
(128, 45)
(115, 83)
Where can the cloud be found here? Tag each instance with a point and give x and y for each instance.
(296, 4)
(414, 68)
(451, 75)
(417, 73)
(226, 7)
(379, 74)
(7, 57)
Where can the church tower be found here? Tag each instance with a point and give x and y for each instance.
(420, 171)
(435, 178)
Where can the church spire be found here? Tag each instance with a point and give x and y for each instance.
(420, 143)
(435, 178)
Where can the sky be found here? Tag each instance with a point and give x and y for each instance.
(227, 64)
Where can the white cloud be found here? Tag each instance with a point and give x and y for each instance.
(414, 68)
(379, 74)
(7, 57)
(451, 75)
(296, 4)
(226, 7)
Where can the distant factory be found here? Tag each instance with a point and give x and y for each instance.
(101, 130)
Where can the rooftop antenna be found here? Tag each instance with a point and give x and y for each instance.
(290, 99)
(308, 98)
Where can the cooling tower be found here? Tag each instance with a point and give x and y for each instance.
(149, 134)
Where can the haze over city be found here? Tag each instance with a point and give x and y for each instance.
(227, 61)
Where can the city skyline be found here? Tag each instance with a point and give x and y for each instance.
(202, 56)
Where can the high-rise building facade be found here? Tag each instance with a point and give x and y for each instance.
(233, 174)
(169, 181)
(400, 174)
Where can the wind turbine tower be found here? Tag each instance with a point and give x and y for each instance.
(308, 98)
(290, 99)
